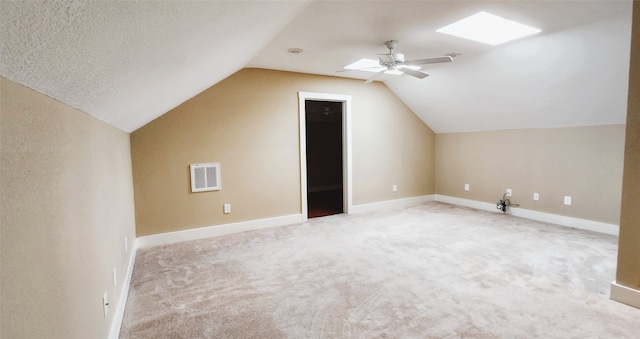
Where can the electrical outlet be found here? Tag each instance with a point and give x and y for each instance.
(227, 208)
(115, 280)
(466, 187)
(536, 196)
(509, 192)
(105, 304)
(395, 188)
(567, 200)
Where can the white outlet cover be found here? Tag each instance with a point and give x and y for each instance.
(227, 208)
(509, 192)
(395, 188)
(567, 200)
(536, 196)
(466, 187)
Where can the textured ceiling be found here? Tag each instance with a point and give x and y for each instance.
(127, 63)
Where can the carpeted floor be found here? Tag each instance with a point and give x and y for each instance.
(428, 271)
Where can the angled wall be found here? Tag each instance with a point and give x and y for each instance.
(66, 205)
(249, 123)
(627, 289)
(582, 162)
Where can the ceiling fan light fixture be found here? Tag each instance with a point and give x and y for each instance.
(488, 28)
(413, 67)
(393, 72)
(370, 65)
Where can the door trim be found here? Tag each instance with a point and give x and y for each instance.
(346, 148)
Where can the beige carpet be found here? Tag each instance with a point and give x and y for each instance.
(428, 271)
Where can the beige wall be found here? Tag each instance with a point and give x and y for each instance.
(582, 162)
(249, 123)
(628, 273)
(66, 206)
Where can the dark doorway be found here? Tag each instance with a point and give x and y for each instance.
(324, 158)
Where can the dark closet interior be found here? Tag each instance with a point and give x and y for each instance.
(324, 158)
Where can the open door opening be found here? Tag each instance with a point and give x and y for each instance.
(324, 150)
(338, 107)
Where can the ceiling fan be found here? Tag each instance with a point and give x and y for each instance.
(394, 61)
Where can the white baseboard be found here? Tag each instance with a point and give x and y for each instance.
(562, 220)
(625, 295)
(118, 315)
(214, 231)
(218, 230)
(376, 206)
(479, 205)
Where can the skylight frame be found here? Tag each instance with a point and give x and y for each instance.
(489, 29)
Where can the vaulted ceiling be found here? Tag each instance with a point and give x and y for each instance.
(128, 62)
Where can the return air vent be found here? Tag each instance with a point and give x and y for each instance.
(205, 177)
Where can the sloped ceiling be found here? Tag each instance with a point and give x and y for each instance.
(127, 63)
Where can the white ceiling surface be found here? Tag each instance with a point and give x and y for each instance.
(129, 62)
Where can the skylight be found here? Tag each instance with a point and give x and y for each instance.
(370, 65)
(488, 28)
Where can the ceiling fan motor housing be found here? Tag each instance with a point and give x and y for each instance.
(391, 59)
(391, 44)
(398, 57)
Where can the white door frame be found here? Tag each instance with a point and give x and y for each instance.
(346, 147)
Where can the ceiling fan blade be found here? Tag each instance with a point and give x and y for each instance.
(375, 76)
(434, 60)
(413, 72)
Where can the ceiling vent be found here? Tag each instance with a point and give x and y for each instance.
(205, 177)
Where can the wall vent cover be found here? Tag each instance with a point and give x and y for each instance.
(205, 177)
